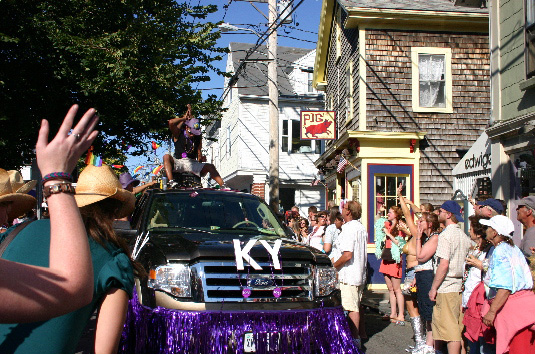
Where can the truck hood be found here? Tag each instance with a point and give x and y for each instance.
(180, 248)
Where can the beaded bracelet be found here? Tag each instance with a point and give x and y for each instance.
(61, 187)
(57, 175)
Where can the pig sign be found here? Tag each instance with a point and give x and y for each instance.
(318, 125)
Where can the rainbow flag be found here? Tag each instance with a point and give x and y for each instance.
(155, 145)
(157, 169)
(97, 161)
(117, 166)
(89, 156)
(92, 159)
(136, 170)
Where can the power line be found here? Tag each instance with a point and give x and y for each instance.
(226, 9)
(259, 42)
(298, 39)
(302, 30)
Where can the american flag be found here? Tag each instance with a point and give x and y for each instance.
(342, 164)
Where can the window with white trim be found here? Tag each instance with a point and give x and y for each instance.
(291, 139)
(431, 80)
(385, 193)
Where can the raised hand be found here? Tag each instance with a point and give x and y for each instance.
(62, 153)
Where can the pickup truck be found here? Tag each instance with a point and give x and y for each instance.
(225, 276)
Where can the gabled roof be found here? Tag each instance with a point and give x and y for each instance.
(415, 5)
(420, 15)
(253, 79)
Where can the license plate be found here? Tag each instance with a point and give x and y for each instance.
(248, 343)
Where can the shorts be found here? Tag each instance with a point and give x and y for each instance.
(424, 280)
(187, 165)
(409, 277)
(351, 296)
(447, 317)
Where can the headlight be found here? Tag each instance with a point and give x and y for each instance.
(326, 280)
(174, 279)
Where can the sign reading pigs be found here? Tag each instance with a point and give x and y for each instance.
(318, 125)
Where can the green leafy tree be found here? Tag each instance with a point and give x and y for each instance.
(135, 61)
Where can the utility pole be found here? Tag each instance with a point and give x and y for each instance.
(273, 110)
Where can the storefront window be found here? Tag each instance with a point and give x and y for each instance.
(386, 192)
(524, 162)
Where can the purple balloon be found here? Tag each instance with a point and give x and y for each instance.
(246, 292)
(277, 292)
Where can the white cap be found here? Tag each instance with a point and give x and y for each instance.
(502, 224)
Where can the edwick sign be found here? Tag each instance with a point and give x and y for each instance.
(243, 253)
(483, 160)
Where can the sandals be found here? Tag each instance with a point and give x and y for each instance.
(397, 322)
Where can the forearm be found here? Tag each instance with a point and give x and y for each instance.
(414, 207)
(177, 120)
(66, 285)
(440, 275)
(499, 300)
(406, 213)
(346, 256)
(141, 188)
(69, 248)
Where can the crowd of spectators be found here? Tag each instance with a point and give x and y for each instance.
(463, 293)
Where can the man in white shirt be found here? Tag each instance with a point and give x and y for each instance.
(351, 266)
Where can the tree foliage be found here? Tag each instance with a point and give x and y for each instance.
(135, 61)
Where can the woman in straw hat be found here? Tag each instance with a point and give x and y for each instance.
(65, 283)
(12, 202)
(101, 199)
(509, 284)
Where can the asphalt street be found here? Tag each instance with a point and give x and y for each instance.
(385, 337)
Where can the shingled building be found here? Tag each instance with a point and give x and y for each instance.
(409, 81)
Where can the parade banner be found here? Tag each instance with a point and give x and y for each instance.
(318, 125)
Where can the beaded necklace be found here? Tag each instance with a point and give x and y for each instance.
(190, 141)
(476, 252)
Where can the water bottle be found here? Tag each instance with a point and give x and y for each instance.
(164, 183)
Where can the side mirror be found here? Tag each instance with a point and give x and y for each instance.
(126, 232)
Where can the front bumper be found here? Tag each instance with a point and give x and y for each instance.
(163, 330)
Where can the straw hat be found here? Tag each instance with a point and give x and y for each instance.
(17, 182)
(22, 202)
(98, 183)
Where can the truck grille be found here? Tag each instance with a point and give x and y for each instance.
(221, 281)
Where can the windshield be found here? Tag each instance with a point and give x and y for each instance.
(214, 213)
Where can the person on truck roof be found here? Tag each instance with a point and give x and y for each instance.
(186, 132)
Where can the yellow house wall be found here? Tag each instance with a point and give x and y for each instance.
(390, 152)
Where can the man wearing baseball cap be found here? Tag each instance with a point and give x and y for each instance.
(452, 248)
(489, 208)
(525, 213)
(186, 132)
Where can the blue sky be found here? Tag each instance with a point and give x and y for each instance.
(301, 33)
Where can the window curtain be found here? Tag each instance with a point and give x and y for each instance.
(431, 70)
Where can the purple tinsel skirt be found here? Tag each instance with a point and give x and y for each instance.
(160, 330)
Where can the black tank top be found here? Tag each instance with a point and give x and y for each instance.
(186, 145)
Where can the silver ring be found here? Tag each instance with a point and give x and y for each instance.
(77, 136)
